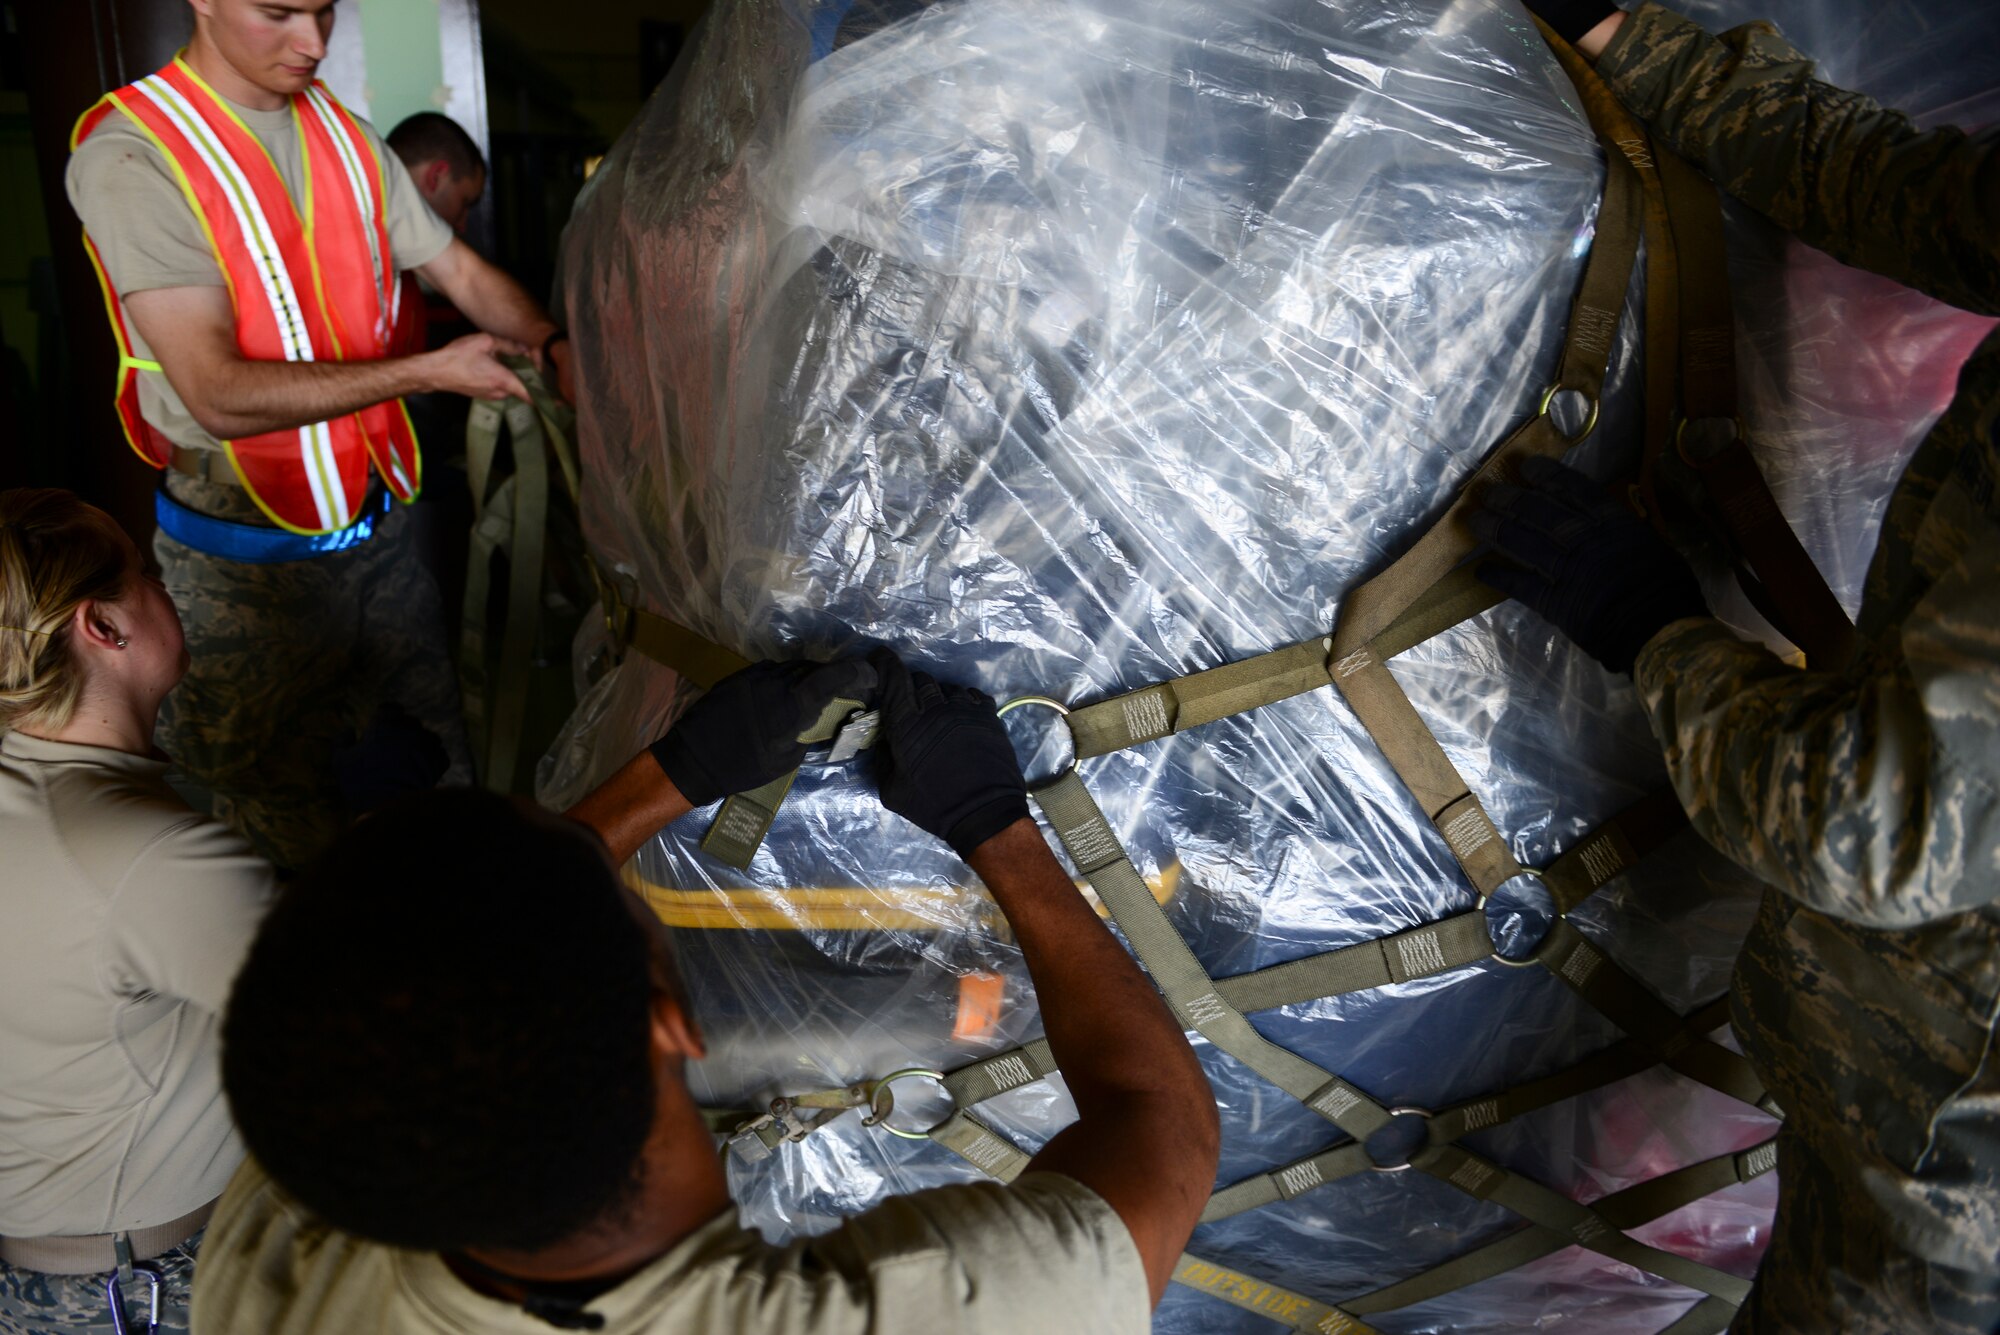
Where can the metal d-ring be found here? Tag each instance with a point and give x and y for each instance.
(1589, 424)
(1529, 962)
(1680, 437)
(1408, 1110)
(882, 1102)
(1045, 702)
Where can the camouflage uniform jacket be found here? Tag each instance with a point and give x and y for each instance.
(1867, 798)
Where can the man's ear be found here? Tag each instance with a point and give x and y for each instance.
(431, 177)
(675, 1032)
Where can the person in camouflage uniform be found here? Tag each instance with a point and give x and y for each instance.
(289, 662)
(1865, 794)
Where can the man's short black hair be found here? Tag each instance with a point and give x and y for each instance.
(442, 1036)
(427, 136)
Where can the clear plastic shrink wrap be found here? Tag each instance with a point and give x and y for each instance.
(1068, 346)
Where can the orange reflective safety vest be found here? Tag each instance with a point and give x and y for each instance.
(302, 282)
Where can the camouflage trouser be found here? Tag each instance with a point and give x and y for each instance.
(1833, 1267)
(32, 1303)
(288, 663)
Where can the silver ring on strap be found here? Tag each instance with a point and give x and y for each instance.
(882, 1102)
(1046, 702)
(1407, 1110)
(1590, 423)
(1529, 961)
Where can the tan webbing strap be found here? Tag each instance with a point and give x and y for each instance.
(746, 817)
(1459, 596)
(994, 1076)
(1626, 1002)
(672, 645)
(1300, 1313)
(1710, 1316)
(1179, 976)
(1625, 1058)
(1417, 952)
(739, 827)
(1620, 1061)
(1369, 610)
(1191, 993)
(1201, 697)
(1786, 585)
(1359, 665)
(1283, 1183)
(1613, 848)
(1646, 1201)
(1413, 752)
(512, 522)
(1580, 1224)
(979, 1145)
(1635, 1205)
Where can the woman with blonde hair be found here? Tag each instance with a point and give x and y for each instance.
(123, 918)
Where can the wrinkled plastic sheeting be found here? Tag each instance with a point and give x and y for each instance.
(1067, 346)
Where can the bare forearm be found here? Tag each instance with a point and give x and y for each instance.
(631, 806)
(488, 297)
(1107, 1025)
(246, 398)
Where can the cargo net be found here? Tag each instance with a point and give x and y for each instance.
(1143, 368)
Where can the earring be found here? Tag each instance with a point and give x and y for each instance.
(122, 641)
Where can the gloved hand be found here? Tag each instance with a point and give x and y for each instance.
(945, 762)
(1584, 562)
(746, 731)
(1571, 19)
(394, 756)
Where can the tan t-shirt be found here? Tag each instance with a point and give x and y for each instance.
(123, 918)
(1044, 1255)
(130, 201)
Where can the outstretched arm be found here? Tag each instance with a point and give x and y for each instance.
(743, 733)
(192, 332)
(1874, 798)
(498, 305)
(1146, 1136)
(1847, 175)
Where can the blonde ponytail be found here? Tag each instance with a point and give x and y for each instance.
(55, 554)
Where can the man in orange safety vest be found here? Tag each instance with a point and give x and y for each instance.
(251, 234)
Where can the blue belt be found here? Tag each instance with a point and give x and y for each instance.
(256, 544)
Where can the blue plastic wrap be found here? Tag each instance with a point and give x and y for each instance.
(1068, 346)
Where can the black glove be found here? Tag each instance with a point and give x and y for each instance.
(945, 762)
(1584, 562)
(394, 756)
(747, 730)
(1571, 19)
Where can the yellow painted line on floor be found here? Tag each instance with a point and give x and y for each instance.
(845, 908)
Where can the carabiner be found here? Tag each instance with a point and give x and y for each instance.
(114, 1294)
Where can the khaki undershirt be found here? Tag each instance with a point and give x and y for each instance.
(123, 918)
(1043, 1255)
(130, 201)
